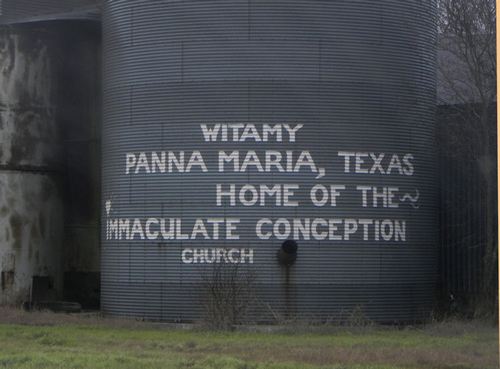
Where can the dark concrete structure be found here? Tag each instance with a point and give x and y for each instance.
(31, 190)
(50, 152)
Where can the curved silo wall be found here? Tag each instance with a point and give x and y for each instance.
(31, 164)
(304, 120)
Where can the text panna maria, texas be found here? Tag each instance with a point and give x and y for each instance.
(269, 195)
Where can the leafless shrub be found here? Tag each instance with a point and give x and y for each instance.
(357, 318)
(229, 294)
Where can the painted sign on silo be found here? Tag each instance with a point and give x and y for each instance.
(236, 130)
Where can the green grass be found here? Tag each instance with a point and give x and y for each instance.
(87, 345)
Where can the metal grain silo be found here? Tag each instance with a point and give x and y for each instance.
(231, 127)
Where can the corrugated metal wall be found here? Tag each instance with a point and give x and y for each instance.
(463, 214)
(463, 230)
(359, 76)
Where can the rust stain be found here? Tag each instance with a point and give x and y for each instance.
(287, 292)
(35, 239)
(16, 225)
(47, 190)
(24, 143)
(41, 225)
(10, 50)
(7, 279)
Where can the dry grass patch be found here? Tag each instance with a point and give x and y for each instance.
(46, 340)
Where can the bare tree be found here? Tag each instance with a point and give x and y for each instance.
(467, 76)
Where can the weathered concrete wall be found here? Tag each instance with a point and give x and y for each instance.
(30, 241)
(31, 153)
(14, 11)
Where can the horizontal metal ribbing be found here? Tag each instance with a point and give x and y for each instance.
(357, 75)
